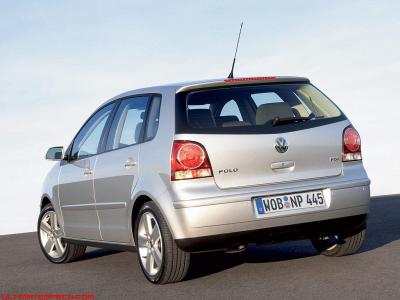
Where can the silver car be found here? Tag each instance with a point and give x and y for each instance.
(204, 166)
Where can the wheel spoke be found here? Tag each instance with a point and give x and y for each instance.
(157, 256)
(49, 246)
(148, 261)
(58, 233)
(141, 241)
(147, 224)
(53, 220)
(59, 247)
(155, 235)
(45, 227)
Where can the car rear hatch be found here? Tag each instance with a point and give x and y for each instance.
(264, 134)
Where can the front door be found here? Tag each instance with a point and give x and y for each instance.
(76, 199)
(76, 191)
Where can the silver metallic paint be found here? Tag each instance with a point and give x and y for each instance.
(207, 206)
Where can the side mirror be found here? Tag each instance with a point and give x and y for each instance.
(55, 153)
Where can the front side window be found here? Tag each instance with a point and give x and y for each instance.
(87, 141)
(127, 126)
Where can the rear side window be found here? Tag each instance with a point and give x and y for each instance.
(127, 125)
(153, 118)
(255, 109)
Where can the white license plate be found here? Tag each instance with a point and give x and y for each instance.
(272, 204)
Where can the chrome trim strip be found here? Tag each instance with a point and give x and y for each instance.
(111, 205)
(93, 206)
(87, 206)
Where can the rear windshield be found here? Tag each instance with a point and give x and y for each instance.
(255, 109)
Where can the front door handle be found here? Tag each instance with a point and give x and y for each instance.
(129, 163)
(88, 172)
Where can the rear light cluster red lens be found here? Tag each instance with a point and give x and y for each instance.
(189, 160)
(351, 145)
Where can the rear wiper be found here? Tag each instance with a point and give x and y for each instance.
(280, 121)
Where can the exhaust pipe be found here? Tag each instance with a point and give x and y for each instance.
(237, 249)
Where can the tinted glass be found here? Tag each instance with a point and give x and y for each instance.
(263, 98)
(87, 142)
(153, 118)
(255, 107)
(127, 125)
(231, 109)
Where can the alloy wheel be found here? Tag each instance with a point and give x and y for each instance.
(51, 235)
(150, 246)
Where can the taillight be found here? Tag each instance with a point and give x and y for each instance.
(189, 160)
(351, 145)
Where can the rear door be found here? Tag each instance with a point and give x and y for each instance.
(117, 169)
(246, 149)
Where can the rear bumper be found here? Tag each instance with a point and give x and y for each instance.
(194, 222)
(345, 226)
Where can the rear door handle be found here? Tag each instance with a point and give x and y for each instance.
(88, 172)
(129, 163)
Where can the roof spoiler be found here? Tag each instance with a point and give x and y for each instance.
(243, 81)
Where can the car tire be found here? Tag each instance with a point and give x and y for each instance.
(52, 234)
(175, 262)
(338, 245)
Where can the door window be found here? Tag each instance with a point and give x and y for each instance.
(153, 118)
(127, 126)
(87, 141)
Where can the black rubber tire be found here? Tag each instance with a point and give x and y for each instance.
(344, 246)
(72, 251)
(175, 264)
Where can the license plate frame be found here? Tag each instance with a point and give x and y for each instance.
(290, 203)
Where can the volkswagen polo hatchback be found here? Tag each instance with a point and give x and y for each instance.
(206, 166)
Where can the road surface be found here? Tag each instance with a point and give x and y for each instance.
(291, 270)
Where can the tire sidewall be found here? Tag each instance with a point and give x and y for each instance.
(60, 259)
(344, 246)
(150, 207)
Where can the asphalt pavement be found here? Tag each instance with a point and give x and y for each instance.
(291, 270)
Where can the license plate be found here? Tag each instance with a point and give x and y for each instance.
(273, 204)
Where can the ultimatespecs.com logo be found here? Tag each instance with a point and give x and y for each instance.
(47, 296)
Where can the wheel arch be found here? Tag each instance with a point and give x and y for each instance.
(44, 201)
(138, 203)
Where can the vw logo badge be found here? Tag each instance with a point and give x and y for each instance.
(281, 145)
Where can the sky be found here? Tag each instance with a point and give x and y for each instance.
(59, 60)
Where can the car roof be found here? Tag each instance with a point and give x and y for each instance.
(212, 83)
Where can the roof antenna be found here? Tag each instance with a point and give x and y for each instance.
(234, 58)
